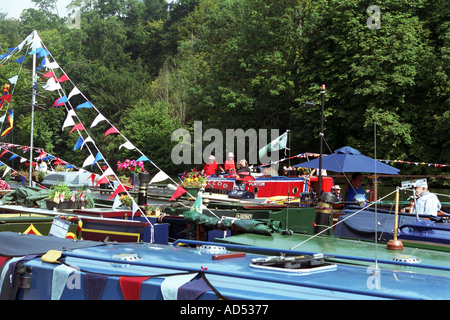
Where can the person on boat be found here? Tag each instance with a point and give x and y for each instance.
(336, 190)
(230, 166)
(243, 169)
(354, 188)
(427, 203)
(42, 166)
(211, 166)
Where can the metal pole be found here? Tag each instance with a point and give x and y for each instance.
(33, 103)
(321, 141)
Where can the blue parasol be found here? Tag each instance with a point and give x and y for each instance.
(347, 159)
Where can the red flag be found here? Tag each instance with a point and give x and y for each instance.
(111, 130)
(131, 287)
(177, 193)
(4, 153)
(78, 126)
(92, 177)
(119, 189)
(62, 79)
(48, 75)
(6, 97)
(102, 180)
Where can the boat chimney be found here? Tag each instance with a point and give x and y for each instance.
(395, 244)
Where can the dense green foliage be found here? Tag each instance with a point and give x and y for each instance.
(151, 67)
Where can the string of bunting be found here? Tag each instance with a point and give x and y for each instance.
(436, 165)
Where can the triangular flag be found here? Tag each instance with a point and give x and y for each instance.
(13, 80)
(20, 60)
(86, 104)
(97, 158)
(127, 145)
(88, 139)
(78, 126)
(97, 119)
(69, 121)
(6, 97)
(51, 85)
(102, 180)
(60, 101)
(48, 75)
(160, 176)
(117, 203)
(131, 287)
(89, 160)
(6, 151)
(92, 177)
(135, 207)
(143, 158)
(74, 92)
(119, 189)
(6, 171)
(3, 118)
(197, 206)
(111, 130)
(13, 156)
(177, 193)
(62, 78)
(79, 143)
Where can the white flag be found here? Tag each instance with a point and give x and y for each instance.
(13, 80)
(74, 92)
(89, 160)
(127, 145)
(6, 171)
(97, 119)
(117, 203)
(160, 176)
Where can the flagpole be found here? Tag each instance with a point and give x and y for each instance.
(33, 103)
(321, 142)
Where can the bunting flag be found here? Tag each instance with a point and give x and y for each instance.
(52, 85)
(62, 78)
(97, 158)
(119, 189)
(192, 290)
(60, 101)
(131, 287)
(97, 119)
(160, 176)
(13, 80)
(69, 120)
(110, 131)
(79, 143)
(78, 126)
(142, 158)
(13, 156)
(94, 284)
(92, 177)
(127, 145)
(101, 180)
(6, 151)
(170, 285)
(89, 160)
(177, 193)
(59, 280)
(88, 139)
(86, 104)
(117, 203)
(197, 206)
(135, 207)
(74, 92)
(11, 123)
(20, 60)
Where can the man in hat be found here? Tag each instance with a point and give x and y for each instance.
(211, 166)
(336, 190)
(427, 203)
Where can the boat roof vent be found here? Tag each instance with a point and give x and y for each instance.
(127, 256)
(294, 264)
(406, 258)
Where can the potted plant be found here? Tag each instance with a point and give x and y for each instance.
(4, 188)
(131, 168)
(59, 197)
(127, 201)
(193, 181)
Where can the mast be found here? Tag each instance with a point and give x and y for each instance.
(33, 103)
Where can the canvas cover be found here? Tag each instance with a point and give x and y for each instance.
(18, 244)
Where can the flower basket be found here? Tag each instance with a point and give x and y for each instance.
(193, 179)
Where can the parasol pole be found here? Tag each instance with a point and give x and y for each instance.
(321, 142)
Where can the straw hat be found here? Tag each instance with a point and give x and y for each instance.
(336, 187)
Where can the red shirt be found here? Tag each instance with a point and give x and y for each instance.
(230, 166)
(210, 169)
